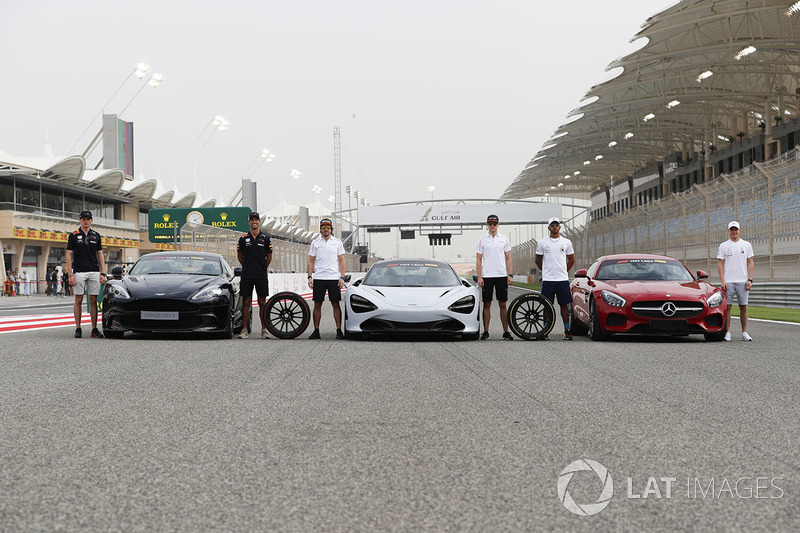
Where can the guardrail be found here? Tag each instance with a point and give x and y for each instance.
(775, 294)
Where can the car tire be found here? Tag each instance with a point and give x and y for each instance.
(286, 315)
(227, 333)
(575, 327)
(111, 334)
(531, 316)
(716, 337)
(596, 332)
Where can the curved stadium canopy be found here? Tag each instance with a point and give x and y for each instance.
(709, 69)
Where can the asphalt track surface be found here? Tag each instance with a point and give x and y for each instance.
(181, 433)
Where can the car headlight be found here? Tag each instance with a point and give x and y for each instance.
(118, 292)
(359, 304)
(715, 299)
(209, 293)
(464, 305)
(613, 299)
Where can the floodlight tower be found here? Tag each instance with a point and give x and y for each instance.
(337, 174)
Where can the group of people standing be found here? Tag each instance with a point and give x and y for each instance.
(19, 284)
(326, 272)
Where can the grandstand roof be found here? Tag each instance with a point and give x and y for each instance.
(683, 41)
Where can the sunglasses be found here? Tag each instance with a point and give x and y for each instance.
(491, 223)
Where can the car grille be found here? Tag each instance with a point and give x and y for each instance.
(156, 304)
(654, 309)
(376, 325)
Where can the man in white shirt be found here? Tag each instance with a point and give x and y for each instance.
(735, 265)
(493, 266)
(555, 257)
(326, 269)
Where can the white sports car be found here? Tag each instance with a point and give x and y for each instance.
(412, 296)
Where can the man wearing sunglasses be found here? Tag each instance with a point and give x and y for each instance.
(554, 257)
(493, 266)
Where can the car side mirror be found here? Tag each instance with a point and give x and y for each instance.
(475, 278)
(581, 273)
(347, 278)
(237, 271)
(116, 272)
(357, 282)
(702, 274)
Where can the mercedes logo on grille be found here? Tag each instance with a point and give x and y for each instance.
(668, 309)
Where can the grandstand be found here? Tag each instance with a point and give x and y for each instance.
(699, 127)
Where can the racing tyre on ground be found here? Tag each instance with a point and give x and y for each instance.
(286, 315)
(531, 316)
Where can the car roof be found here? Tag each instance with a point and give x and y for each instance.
(184, 253)
(636, 256)
(411, 260)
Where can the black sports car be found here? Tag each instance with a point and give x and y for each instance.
(176, 292)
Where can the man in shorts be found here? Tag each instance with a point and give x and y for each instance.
(86, 267)
(254, 252)
(493, 266)
(555, 257)
(735, 265)
(326, 270)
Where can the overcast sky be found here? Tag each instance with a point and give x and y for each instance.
(456, 94)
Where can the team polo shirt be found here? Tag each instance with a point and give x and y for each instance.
(493, 250)
(326, 264)
(84, 248)
(554, 254)
(735, 256)
(254, 254)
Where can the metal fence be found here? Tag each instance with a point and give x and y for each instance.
(764, 198)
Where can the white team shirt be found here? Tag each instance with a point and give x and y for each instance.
(735, 256)
(493, 250)
(554, 258)
(326, 264)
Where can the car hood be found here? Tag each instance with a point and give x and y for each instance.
(656, 290)
(418, 297)
(177, 286)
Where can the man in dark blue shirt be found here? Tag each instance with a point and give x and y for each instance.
(254, 252)
(86, 268)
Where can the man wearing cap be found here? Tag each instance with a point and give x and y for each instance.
(326, 269)
(555, 257)
(735, 265)
(254, 252)
(86, 267)
(493, 266)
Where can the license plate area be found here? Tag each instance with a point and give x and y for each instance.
(159, 315)
(670, 325)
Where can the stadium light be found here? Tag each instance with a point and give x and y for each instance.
(704, 75)
(267, 155)
(577, 173)
(612, 144)
(587, 162)
(649, 116)
(156, 80)
(141, 70)
(794, 8)
(628, 135)
(744, 52)
(598, 157)
(673, 103)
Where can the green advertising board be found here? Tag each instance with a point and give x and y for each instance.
(165, 223)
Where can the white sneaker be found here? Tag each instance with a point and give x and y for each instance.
(746, 337)
(264, 333)
(243, 334)
(727, 335)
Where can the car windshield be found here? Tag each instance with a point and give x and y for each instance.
(643, 270)
(174, 264)
(411, 274)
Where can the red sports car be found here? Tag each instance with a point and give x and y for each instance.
(645, 294)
